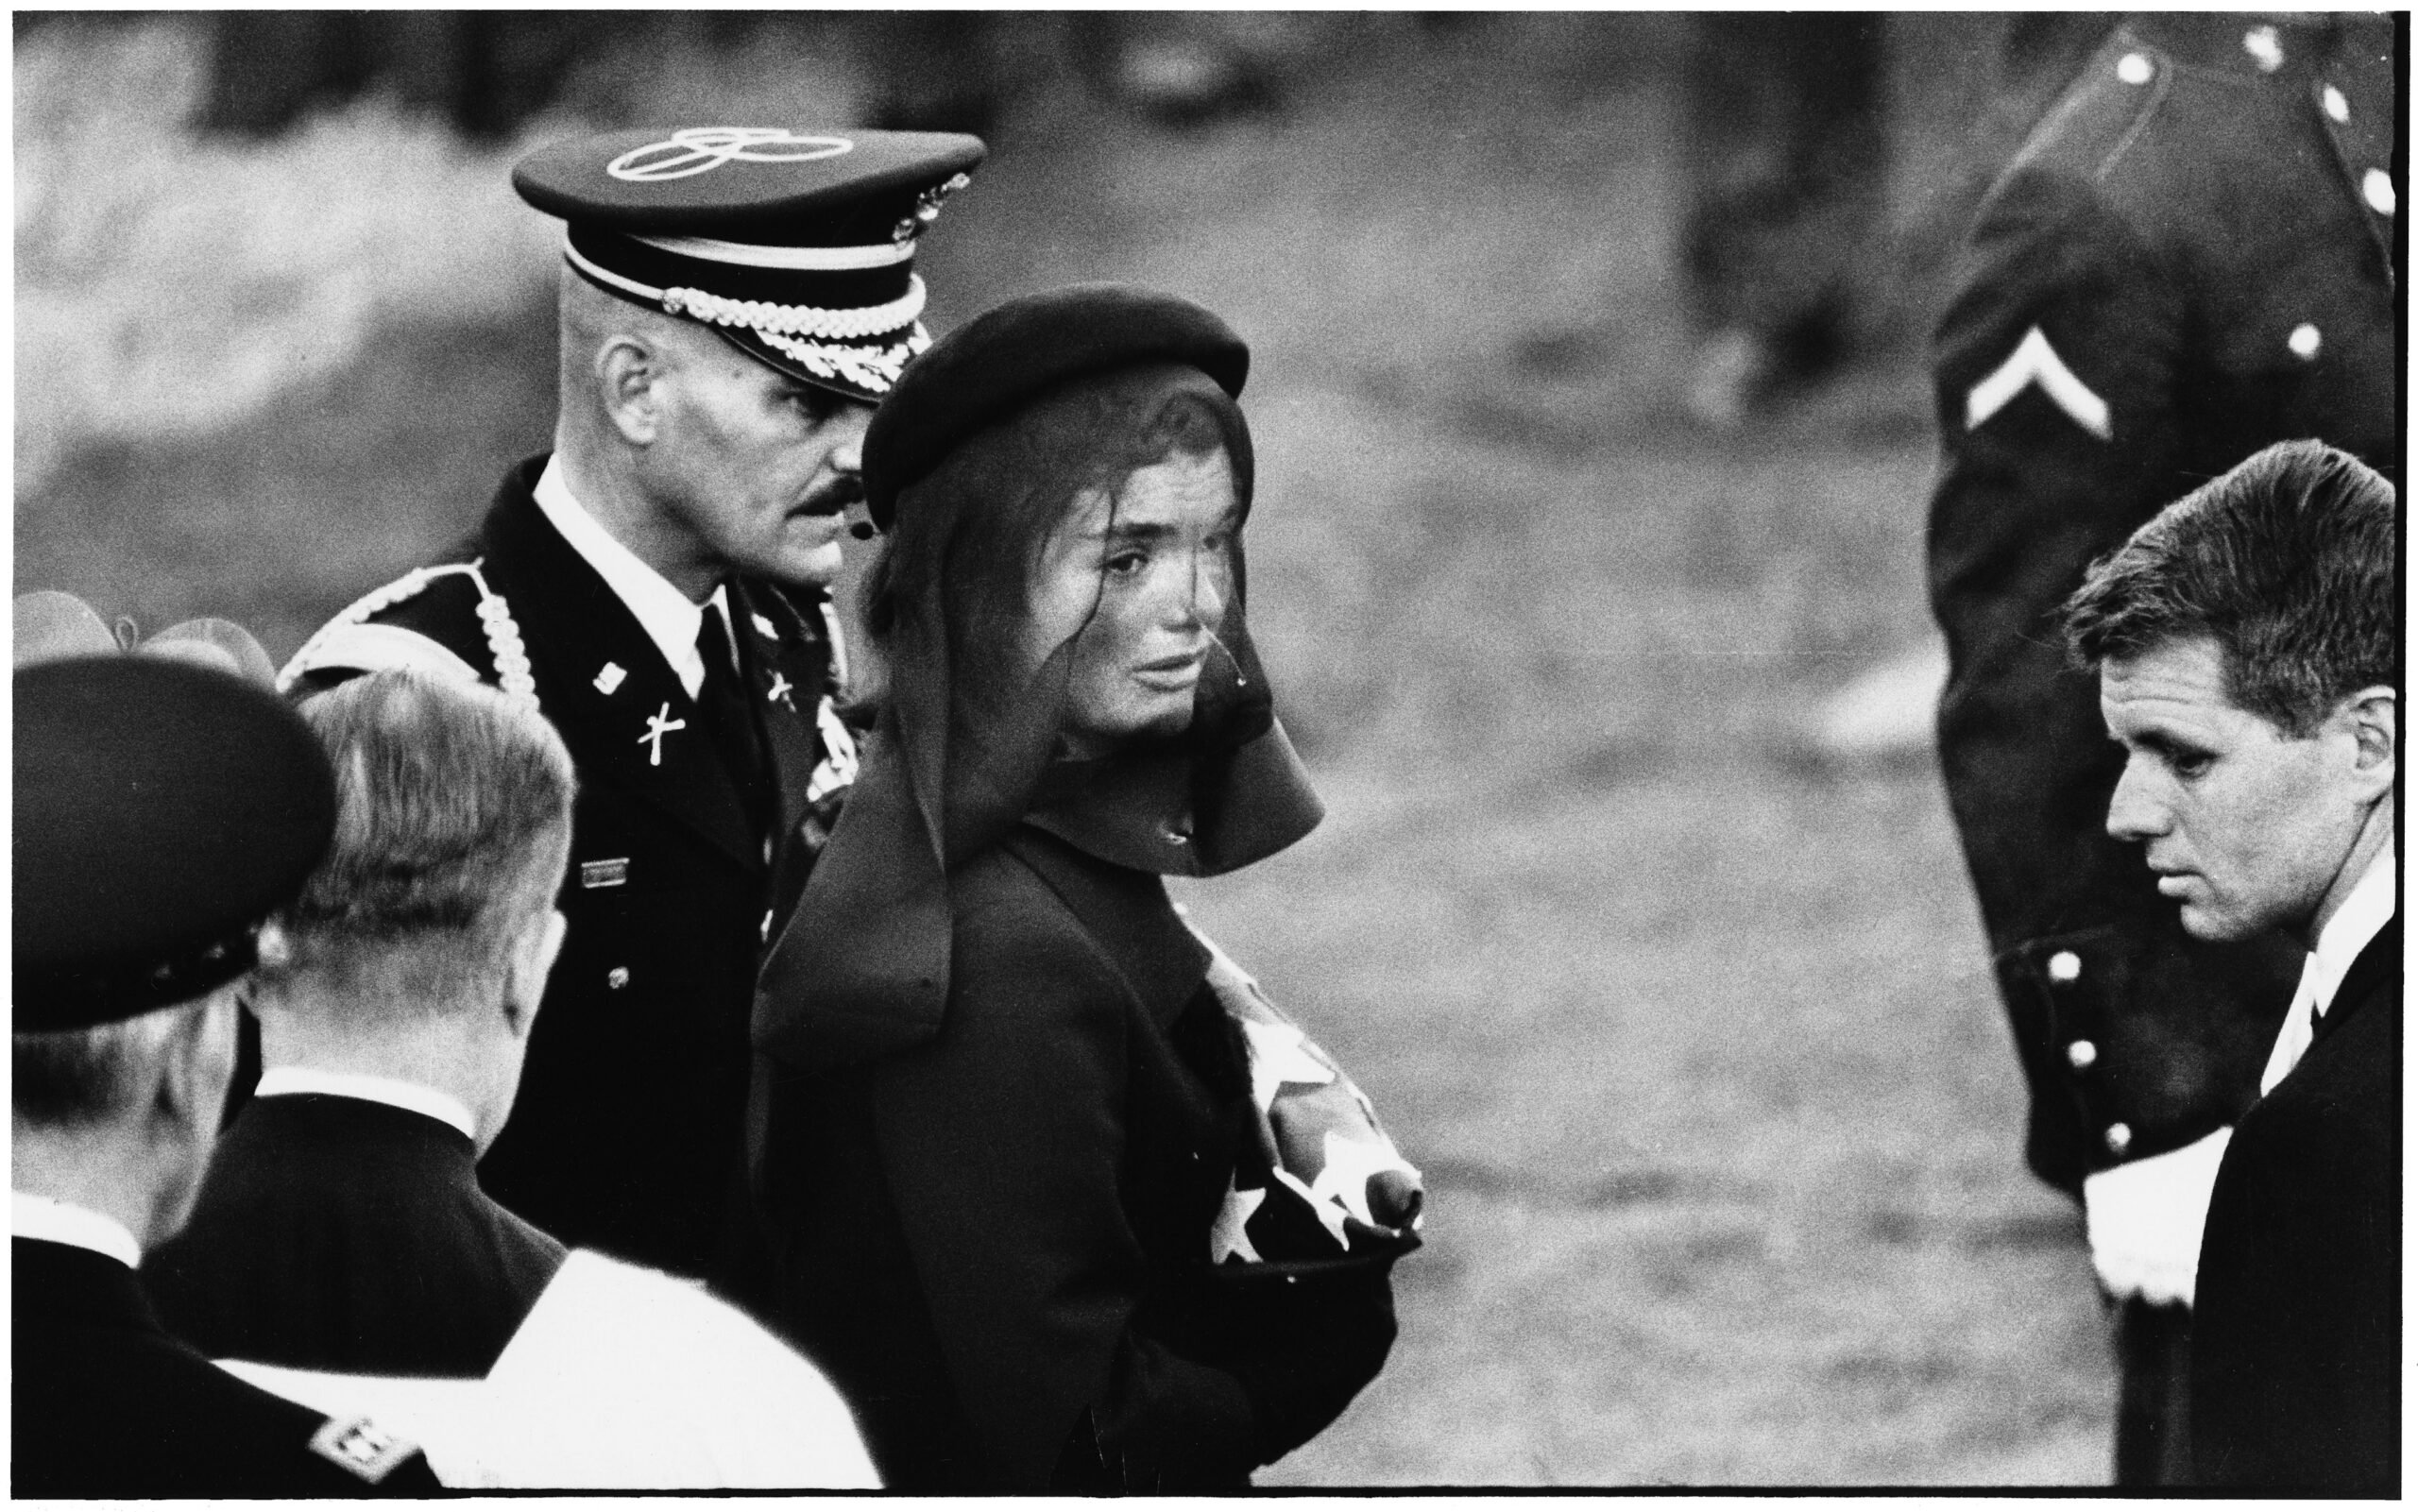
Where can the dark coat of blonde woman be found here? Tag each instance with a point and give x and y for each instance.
(1002, 1115)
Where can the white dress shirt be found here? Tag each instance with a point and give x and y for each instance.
(40, 1217)
(2367, 910)
(288, 1080)
(663, 611)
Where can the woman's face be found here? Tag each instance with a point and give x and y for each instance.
(1157, 560)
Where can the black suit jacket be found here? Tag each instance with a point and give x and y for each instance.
(998, 1243)
(628, 1134)
(2188, 235)
(2295, 1354)
(338, 1234)
(103, 1402)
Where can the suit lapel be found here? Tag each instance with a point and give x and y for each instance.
(603, 681)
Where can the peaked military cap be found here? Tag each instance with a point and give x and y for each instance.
(797, 247)
(988, 367)
(162, 809)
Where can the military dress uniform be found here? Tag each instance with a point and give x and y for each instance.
(2192, 257)
(161, 809)
(627, 1133)
(698, 814)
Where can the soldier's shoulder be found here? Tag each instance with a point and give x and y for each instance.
(444, 619)
(2101, 116)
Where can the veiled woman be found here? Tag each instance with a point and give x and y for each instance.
(999, 1109)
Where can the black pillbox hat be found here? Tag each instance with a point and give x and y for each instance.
(795, 246)
(990, 366)
(162, 809)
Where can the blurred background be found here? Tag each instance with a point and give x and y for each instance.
(1594, 448)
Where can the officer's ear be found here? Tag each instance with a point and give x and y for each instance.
(630, 369)
(2370, 723)
(532, 962)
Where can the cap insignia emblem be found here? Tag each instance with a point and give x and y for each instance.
(928, 208)
(695, 150)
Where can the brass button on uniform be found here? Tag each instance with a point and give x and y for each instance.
(2081, 1054)
(2120, 1138)
(2135, 69)
(2378, 186)
(2337, 106)
(618, 977)
(2064, 966)
(2305, 340)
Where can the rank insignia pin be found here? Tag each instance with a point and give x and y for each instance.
(610, 678)
(780, 691)
(764, 627)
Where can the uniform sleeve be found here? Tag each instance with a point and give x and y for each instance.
(1003, 1144)
(2056, 367)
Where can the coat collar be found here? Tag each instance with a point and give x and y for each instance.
(606, 685)
(63, 1282)
(1127, 914)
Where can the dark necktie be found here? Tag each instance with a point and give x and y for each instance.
(723, 704)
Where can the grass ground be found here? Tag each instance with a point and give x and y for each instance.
(1691, 1035)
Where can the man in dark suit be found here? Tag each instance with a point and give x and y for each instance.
(2190, 259)
(733, 301)
(342, 1237)
(161, 809)
(2248, 648)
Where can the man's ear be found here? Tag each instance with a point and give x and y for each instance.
(532, 962)
(630, 370)
(2371, 717)
(194, 1066)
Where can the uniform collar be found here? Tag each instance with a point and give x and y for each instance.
(290, 1080)
(2361, 918)
(661, 610)
(40, 1217)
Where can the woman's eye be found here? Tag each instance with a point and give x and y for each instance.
(1125, 564)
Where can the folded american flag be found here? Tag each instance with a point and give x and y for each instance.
(1322, 1187)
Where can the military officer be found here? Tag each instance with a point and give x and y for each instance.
(162, 809)
(733, 301)
(2191, 258)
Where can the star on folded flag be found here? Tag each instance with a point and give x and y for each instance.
(1228, 1237)
(1277, 1056)
(1326, 1209)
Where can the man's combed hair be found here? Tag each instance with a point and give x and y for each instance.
(2287, 562)
(453, 810)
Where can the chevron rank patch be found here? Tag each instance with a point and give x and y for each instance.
(2035, 362)
(362, 1447)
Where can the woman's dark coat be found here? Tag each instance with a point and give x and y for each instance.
(998, 1243)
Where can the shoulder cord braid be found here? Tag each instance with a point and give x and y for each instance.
(504, 645)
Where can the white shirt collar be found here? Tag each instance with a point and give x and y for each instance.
(40, 1217)
(287, 1080)
(2362, 916)
(663, 611)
